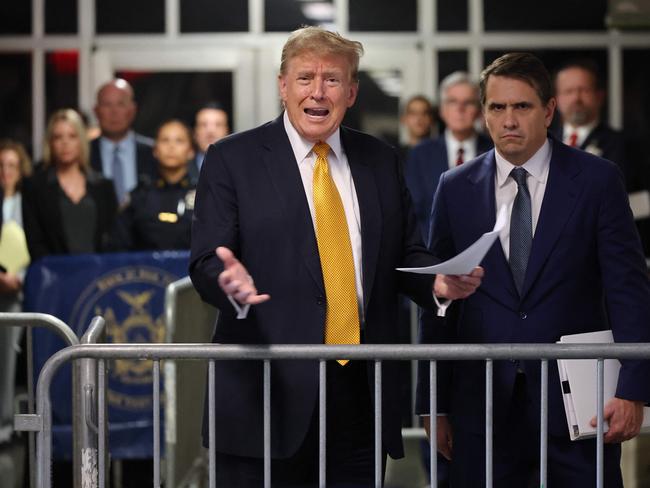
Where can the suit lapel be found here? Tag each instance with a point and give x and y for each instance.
(498, 281)
(557, 206)
(283, 169)
(369, 209)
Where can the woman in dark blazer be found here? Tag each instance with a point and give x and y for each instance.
(67, 208)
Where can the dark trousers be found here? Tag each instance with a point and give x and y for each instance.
(350, 442)
(571, 464)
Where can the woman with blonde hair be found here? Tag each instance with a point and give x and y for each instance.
(67, 208)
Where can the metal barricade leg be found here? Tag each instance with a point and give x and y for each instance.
(322, 423)
(489, 375)
(378, 427)
(433, 438)
(543, 429)
(211, 425)
(267, 424)
(156, 424)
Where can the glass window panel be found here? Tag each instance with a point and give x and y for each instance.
(163, 95)
(450, 61)
(15, 17)
(376, 110)
(288, 15)
(61, 16)
(636, 116)
(16, 97)
(383, 15)
(125, 16)
(451, 15)
(61, 80)
(550, 15)
(211, 16)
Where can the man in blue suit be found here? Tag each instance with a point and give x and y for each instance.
(460, 142)
(568, 261)
(266, 201)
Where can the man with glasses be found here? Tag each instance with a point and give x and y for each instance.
(460, 142)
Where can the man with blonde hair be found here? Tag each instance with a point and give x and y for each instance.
(317, 217)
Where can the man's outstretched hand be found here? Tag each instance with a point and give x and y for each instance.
(235, 281)
(455, 287)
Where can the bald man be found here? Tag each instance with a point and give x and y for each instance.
(119, 153)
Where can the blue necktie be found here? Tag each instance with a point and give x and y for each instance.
(118, 175)
(521, 228)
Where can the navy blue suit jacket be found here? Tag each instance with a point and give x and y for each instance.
(250, 198)
(147, 167)
(425, 163)
(585, 273)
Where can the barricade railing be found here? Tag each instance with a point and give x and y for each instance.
(489, 353)
(30, 321)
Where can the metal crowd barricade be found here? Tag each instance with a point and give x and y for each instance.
(29, 321)
(377, 353)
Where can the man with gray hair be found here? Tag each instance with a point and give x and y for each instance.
(460, 142)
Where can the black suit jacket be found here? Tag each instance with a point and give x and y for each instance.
(42, 213)
(147, 168)
(250, 198)
(425, 163)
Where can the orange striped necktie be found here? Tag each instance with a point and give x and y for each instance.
(335, 250)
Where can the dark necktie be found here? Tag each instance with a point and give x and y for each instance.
(118, 175)
(521, 228)
(459, 157)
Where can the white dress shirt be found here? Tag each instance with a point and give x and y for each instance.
(506, 187)
(340, 171)
(582, 132)
(453, 145)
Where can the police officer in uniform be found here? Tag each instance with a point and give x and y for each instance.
(159, 213)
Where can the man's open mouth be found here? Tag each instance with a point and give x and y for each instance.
(317, 112)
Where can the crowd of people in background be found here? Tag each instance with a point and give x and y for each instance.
(121, 191)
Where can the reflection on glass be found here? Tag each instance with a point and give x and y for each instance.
(288, 15)
(164, 95)
(376, 110)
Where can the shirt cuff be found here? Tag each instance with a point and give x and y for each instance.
(242, 310)
(442, 305)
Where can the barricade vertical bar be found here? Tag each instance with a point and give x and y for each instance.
(267, 423)
(600, 402)
(322, 423)
(211, 435)
(543, 427)
(489, 374)
(378, 424)
(101, 422)
(433, 412)
(31, 437)
(156, 424)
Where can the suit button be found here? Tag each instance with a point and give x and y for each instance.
(523, 315)
(320, 300)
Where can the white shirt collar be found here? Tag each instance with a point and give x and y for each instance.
(582, 131)
(453, 144)
(302, 147)
(537, 166)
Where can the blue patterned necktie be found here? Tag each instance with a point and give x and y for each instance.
(118, 175)
(521, 228)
